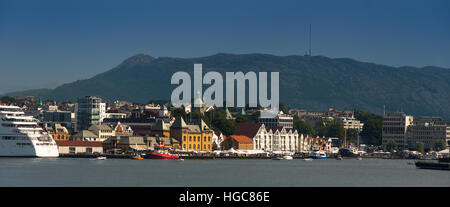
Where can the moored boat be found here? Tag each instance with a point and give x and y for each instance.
(161, 154)
(318, 154)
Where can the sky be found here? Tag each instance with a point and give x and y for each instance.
(46, 43)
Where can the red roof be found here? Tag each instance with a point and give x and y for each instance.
(241, 139)
(248, 129)
(79, 143)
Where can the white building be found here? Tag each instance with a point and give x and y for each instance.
(271, 138)
(281, 120)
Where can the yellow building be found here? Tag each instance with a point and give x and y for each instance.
(191, 136)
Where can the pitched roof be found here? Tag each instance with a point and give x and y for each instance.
(241, 139)
(274, 128)
(248, 129)
(141, 130)
(79, 143)
(179, 123)
(85, 134)
(161, 126)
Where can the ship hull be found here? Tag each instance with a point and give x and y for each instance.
(161, 156)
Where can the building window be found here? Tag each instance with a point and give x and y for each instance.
(204, 146)
(194, 138)
(190, 147)
(190, 138)
(198, 146)
(209, 139)
(204, 139)
(194, 146)
(184, 146)
(72, 150)
(89, 150)
(184, 138)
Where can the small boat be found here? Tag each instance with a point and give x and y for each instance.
(101, 158)
(308, 159)
(339, 157)
(287, 157)
(137, 157)
(359, 158)
(318, 154)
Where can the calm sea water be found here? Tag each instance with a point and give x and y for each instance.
(264, 173)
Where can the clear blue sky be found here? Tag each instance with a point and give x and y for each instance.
(45, 43)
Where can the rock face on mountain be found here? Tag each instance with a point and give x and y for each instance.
(307, 82)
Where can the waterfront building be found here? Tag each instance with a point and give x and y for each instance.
(281, 120)
(127, 143)
(238, 142)
(79, 147)
(102, 131)
(428, 130)
(271, 138)
(394, 129)
(57, 131)
(197, 137)
(88, 112)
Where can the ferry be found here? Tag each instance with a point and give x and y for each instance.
(21, 135)
(318, 154)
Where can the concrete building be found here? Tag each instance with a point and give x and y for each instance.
(394, 128)
(89, 112)
(63, 118)
(281, 120)
(428, 130)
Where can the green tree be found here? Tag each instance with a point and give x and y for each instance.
(391, 146)
(439, 145)
(420, 147)
(7, 100)
(329, 128)
(283, 108)
(371, 132)
(303, 127)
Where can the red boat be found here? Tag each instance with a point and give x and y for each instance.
(161, 154)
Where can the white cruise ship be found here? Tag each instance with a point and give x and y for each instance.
(21, 136)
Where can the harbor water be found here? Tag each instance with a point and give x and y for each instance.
(234, 173)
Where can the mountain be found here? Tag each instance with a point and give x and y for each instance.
(306, 82)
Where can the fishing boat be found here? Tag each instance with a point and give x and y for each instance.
(101, 158)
